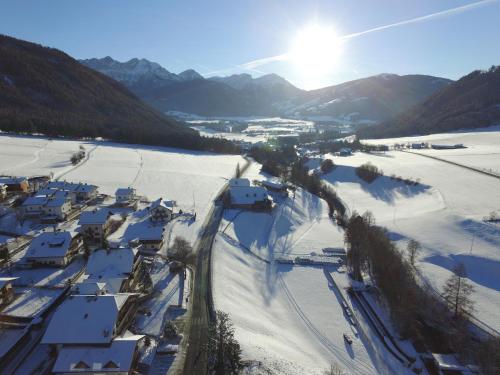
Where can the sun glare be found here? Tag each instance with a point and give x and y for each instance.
(315, 50)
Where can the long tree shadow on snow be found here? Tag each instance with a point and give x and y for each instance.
(481, 270)
(383, 188)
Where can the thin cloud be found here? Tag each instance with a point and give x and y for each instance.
(252, 65)
(428, 17)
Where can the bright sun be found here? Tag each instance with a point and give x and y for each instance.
(315, 50)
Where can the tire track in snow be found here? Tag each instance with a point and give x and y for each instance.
(36, 157)
(323, 340)
(83, 162)
(141, 165)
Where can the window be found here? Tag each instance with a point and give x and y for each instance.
(81, 364)
(110, 364)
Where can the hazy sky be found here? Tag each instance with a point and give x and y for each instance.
(222, 37)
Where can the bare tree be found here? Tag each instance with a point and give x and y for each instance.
(413, 249)
(180, 250)
(334, 370)
(457, 292)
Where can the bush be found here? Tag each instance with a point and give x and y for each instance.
(368, 172)
(327, 166)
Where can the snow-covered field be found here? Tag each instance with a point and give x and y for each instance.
(482, 147)
(444, 212)
(286, 316)
(190, 178)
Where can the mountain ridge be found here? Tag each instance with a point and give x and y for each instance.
(365, 101)
(471, 102)
(44, 90)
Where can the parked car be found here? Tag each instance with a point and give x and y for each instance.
(347, 338)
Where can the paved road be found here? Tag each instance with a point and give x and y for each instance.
(202, 312)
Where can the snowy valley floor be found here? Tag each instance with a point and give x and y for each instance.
(287, 316)
(444, 212)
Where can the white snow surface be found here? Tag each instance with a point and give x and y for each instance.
(444, 212)
(190, 178)
(285, 316)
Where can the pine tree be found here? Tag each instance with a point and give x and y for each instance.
(223, 350)
(238, 171)
(457, 292)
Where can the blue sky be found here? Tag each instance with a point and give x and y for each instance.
(219, 37)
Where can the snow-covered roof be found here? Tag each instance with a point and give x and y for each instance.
(5, 280)
(113, 263)
(58, 199)
(239, 182)
(49, 244)
(85, 320)
(94, 217)
(89, 287)
(118, 357)
(85, 188)
(71, 186)
(162, 203)
(154, 233)
(8, 180)
(125, 191)
(35, 201)
(273, 185)
(248, 194)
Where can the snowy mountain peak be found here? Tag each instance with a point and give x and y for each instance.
(190, 75)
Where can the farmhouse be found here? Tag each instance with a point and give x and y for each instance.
(118, 268)
(243, 195)
(120, 357)
(15, 184)
(53, 249)
(161, 210)
(125, 196)
(95, 224)
(91, 319)
(6, 290)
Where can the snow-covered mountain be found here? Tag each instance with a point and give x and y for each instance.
(365, 101)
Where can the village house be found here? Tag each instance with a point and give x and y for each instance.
(6, 290)
(161, 210)
(125, 196)
(50, 203)
(243, 195)
(33, 206)
(15, 184)
(58, 206)
(121, 357)
(118, 268)
(95, 224)
(152, 238)
(90, 319)
(3, 191)
(38, 182)
(53, 249)
(78, 192)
